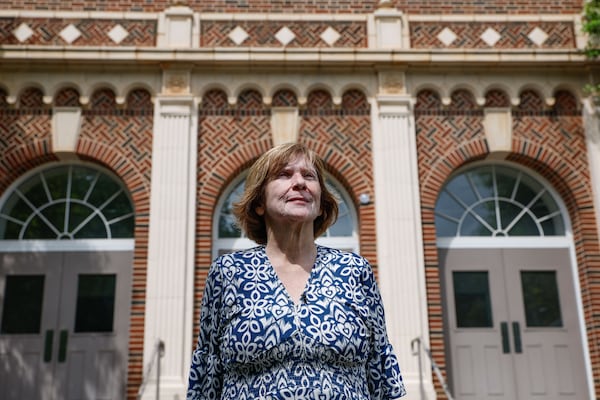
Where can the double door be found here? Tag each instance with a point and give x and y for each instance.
(64, 319)
(514, 331)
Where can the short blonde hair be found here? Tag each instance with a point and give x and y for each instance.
(262, 172)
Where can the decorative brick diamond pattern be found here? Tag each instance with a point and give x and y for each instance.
(512, 35)
(549, 141)
(263, 33)
(311, 6)
(94, 32)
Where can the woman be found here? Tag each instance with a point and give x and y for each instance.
(290, 319)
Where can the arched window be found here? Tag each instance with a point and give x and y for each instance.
(67, 202)
(228, 237)
(497, 201)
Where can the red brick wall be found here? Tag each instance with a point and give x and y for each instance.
(117, 138)
(549, 141)
(230, 138)
(311, 6)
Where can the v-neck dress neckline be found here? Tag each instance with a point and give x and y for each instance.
(278, 282)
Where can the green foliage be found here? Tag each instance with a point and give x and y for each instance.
(591, 25)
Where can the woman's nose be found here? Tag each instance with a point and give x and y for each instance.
(299, 181)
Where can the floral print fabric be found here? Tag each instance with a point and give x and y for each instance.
(256, 343)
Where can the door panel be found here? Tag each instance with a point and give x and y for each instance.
(552, 359)
(533, 348)
(58, 362)
(480, 369)
(22, 358)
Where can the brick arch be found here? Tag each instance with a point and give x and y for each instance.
(428, 99)
(496, 98)
(530, 100)
(462, 99)
(566, 103)
(355, 100)
(319, 100)
(284, 98)
(551, 143)
(67, 97)
(139, 99)
(31, 97)
(103, 99)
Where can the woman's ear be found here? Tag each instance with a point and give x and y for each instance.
(260, 210)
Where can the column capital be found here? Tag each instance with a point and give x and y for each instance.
(399, 104)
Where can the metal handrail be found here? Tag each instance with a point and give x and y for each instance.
(157, 354)
(415, 345)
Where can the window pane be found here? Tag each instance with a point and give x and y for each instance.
(471, 226)
(104, 189)
(484, 182)
(472, 299)
(82, 179)
(22, 308)
(540, 299)
(93, 229)
(95, 303)
(446, 205)
(77, 214)
(57, 184)
(461, 187)
(123, 228)
(525, 226)
(444, 227)
(39, 229)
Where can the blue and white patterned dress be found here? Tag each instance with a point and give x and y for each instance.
(256, 343)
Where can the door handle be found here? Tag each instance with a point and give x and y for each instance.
(48, 340)
(504, 334)
(517, 337)
(62, 345)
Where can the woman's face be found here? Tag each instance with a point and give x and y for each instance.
(292, 195)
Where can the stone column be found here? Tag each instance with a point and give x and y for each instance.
(591, 118)
(170, 277)
(399, 236)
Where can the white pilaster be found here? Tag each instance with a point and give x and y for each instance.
(169, 298)
(399, 238)
(591, 118)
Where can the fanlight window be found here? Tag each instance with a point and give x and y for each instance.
(67, 202)
(497, 201)
(342, 234)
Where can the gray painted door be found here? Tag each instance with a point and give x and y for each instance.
(64, 324)
(513, 327)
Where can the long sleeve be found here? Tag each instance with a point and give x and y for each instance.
(383, 370)
(206, 375)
